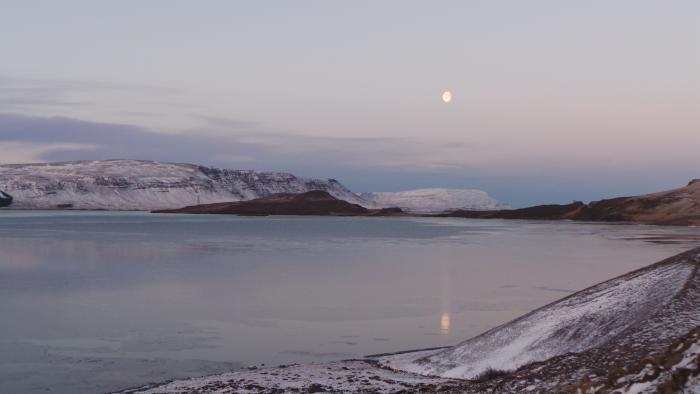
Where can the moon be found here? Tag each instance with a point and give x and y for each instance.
(447, 96)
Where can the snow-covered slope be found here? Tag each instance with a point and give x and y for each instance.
(434, 200)
(352, 376)
(675, 371)
(646, 306)
(146, 185)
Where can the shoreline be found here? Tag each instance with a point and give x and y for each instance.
(405, 215)
(625, 355)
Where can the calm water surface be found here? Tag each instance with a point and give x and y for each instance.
(93, 302)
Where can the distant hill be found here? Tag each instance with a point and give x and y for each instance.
(434, 200)
(674, 207)
(315, 202)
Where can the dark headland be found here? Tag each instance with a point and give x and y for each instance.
(315, 202)
(673, 207)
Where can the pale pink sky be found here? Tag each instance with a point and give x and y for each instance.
(543, 89)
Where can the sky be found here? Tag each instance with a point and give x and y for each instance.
(553, 101)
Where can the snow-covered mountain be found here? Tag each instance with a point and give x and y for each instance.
(150, 185)
(147, 185)
(434, 200)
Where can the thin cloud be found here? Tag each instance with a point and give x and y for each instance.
(35, 96)
(261, 149)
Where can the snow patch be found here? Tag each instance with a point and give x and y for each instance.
(434, 200)
(352, 376)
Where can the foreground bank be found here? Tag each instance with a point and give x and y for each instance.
(637, 332)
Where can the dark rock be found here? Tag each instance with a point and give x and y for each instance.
(5, 199)
(317, 388)
(316, 202)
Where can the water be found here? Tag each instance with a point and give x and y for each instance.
(96, 301)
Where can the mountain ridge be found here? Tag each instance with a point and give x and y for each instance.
(680, 206)
(125, 184)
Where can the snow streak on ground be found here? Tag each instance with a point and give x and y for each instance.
(344, 376)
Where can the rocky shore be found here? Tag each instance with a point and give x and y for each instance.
(5, 199)
(674, 207)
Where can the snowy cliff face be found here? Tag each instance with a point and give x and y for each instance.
(146, 185)
(434, 200)
(647, 306)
